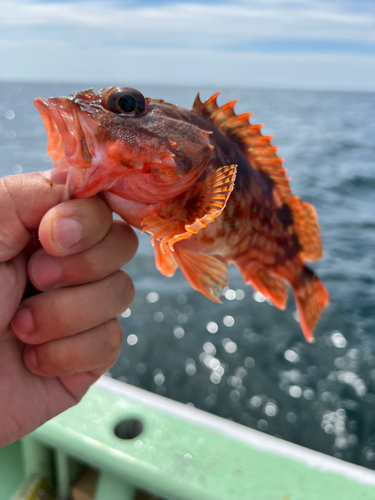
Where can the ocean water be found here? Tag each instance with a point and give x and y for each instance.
(244, 360)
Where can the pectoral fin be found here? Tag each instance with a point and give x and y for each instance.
(204, 203)
(165, 262)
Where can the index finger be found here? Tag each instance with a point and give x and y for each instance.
(24, 199)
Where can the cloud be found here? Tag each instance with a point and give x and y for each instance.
(235, 43)
(199, 23)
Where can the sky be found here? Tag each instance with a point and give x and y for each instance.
(299, 44)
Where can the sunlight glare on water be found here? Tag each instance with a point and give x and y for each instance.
(291, 356)
(178, 332)
(259, 297)
(295, 391)
(212, 327)
(152, 297)
(229, 346)
(132, 339)
(230, 294)
(338, 340)
(228, 321)
(126, 313)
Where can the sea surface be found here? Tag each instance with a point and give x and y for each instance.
(245, 360)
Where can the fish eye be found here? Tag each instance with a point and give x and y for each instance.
(126, 101)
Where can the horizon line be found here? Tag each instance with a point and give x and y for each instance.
(186, 86)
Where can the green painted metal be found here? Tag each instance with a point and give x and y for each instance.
(62, 472)
(12, 473)
(182, 454)
(37, 458)
(113, 487)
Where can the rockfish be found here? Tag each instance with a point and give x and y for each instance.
(204, 183)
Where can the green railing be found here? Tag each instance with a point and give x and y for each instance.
(141, 441)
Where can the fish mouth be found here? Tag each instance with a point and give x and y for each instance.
(72, 143)
(67, 144)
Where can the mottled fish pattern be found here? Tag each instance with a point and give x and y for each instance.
(204, 183)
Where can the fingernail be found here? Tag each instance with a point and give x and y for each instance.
(22, 322)
(56, 175)
(66, 232)
(47, 173)
(30, 358)
(45, 271)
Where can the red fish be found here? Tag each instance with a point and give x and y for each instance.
(204, 183)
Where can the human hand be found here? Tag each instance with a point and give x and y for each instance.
(61, 340)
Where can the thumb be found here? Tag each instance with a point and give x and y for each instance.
(24, 199)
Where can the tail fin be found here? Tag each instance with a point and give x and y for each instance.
(311, 299)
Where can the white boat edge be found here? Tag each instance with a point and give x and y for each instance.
(251, 437)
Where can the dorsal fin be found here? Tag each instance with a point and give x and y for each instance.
(262, 155)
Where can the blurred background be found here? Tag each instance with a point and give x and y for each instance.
(306, 69)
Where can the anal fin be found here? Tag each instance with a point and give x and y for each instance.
(203, 272)
(267, 283)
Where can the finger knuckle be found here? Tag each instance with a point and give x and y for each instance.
(49, 361)
(131, 240)
(114, 336)
(97, 213)
(124, 289)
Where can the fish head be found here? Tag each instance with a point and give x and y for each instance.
(117, 134)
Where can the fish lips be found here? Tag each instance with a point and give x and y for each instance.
(67, 145)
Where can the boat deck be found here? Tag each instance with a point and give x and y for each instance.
(139, 441)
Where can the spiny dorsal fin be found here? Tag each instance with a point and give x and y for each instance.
(262, 155)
